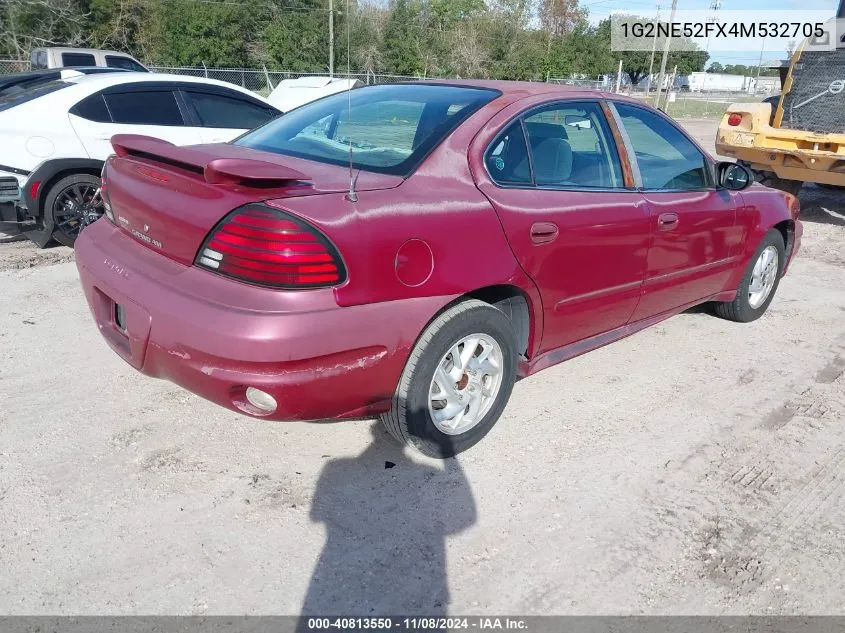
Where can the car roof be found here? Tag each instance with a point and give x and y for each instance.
(521, 88)
(73, 49)
(106, 80)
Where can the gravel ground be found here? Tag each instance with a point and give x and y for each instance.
(695, 468)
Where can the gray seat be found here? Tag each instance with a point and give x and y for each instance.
(552, 161)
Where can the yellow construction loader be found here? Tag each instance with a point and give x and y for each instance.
(800, 136)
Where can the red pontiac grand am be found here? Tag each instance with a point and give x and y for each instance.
(409, 250)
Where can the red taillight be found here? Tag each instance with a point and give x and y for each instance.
(734, 119)
(270, 248)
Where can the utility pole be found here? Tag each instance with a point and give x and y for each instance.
(759, 66)
(654, 50)
(666, 48)
(331, 37)
(715, 5)
(619, 78)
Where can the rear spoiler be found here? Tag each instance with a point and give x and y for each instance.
(249, 172)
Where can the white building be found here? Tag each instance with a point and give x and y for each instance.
(719, 82)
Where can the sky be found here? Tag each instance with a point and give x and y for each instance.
(601, 9)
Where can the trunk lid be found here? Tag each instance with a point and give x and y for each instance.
(168, 198)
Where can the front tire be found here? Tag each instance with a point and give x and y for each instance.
(760, 282)
(456, 382)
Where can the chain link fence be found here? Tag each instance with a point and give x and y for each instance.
(262, 81)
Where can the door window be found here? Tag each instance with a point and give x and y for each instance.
(92, 108)
(507, 159)
(78, 59)
(127, 63)
(666, 157)
(221, 111)
(154, 107)
(571, 146)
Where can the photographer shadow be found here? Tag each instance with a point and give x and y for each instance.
(387, 518)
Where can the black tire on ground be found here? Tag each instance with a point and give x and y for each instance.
(409, 420)
(740, 309)
(770, 179)
(51, 226)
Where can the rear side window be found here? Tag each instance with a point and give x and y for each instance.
(666, 157)
(39, 60)
(507, 159)
(78, 59)
(118, 61)
(571, 146)
(221, 111)
(15, 98)
(92, 108)
(154, 107)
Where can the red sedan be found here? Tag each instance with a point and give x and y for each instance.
(409, 250)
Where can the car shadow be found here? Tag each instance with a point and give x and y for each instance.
(387, 518)
(822, 205)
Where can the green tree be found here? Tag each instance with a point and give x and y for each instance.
(404, 38)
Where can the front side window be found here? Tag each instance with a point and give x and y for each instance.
(127, 63)
(78, 59)
(154, 107)
(221, 111)
(666, 157)
(386, 129)
(571, 146)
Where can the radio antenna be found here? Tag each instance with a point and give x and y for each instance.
(351, 195)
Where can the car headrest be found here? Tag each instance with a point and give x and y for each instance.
(552, 161)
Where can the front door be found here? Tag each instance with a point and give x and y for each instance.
(574, 226)
(695, 239)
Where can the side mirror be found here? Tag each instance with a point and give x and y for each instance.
(733, 176)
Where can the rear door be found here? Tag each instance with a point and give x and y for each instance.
(149, 110)
(573, 217)
(222, 115)
(694, 234)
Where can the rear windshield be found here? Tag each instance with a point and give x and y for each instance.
(16, 95)
(391, 128)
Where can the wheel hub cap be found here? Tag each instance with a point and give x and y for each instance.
(763, 277)
(76, 207)
(465, 384)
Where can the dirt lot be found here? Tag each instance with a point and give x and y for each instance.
(697, 467)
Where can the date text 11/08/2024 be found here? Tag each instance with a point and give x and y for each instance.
(417, 624)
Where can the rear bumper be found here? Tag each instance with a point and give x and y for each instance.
(215, 337)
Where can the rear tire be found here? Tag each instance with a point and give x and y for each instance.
(70, 205)
(749, 304)
(410, 419)
(770, 179)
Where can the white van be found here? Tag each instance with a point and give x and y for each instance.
(57, 57)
